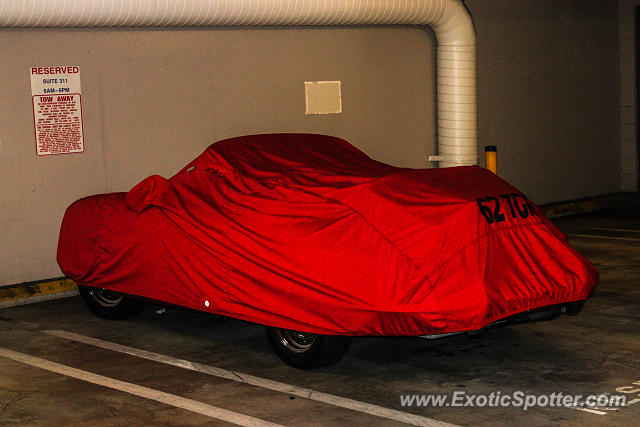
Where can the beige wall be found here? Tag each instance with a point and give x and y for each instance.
(155, 98)
(628, 98)
(548, 94)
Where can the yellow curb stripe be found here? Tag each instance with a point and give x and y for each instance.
(29, 290)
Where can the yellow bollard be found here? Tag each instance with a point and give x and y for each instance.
(491, 158)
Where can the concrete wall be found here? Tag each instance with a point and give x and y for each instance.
(155, 98)
(548, 94)
(628, 97)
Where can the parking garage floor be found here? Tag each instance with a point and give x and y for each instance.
(60, 365)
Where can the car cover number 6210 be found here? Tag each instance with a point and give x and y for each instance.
(517, 206)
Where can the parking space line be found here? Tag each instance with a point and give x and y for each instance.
(597, 236)
(305, 393)
(591, 411)
(137, 390)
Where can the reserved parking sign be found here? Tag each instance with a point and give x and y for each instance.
(57, 110)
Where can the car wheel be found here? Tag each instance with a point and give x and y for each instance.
(574, 308)
(305, 350)
(109, 304)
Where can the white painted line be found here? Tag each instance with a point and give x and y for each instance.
(633, 401)
(591, 411)
(148, 393)
(305, 393)
(596, 236)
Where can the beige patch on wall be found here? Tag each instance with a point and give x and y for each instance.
(323, 97)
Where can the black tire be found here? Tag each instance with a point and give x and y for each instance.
(574, 308)
(109, 304)
(304, 350)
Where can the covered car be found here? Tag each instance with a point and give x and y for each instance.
(309, 236)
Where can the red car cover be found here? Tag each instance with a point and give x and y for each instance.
(306, 232)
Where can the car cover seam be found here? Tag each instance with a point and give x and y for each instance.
(477, 239)
(366, 221)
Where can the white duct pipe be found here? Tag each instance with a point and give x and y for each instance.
(450, 20)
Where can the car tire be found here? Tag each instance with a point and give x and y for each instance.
(109, 304)
(304, 350)
(574, 308)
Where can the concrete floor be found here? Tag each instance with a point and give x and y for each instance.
(595, 352)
